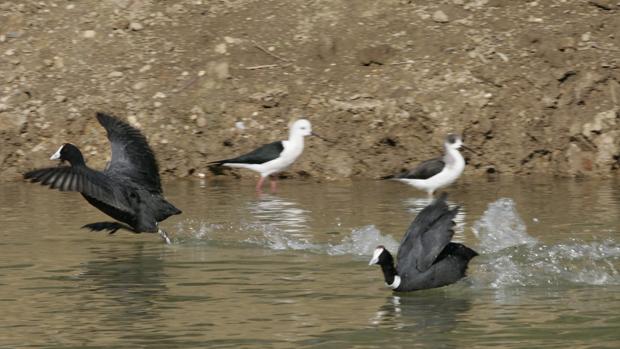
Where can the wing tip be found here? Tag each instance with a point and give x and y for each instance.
(103, 117)
(33, 176)
(108, 120)
(442, 201)
(117, 126)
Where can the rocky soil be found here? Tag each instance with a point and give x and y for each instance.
(534, 86)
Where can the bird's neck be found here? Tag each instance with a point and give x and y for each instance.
(453, 157)
(77, 159)
(389, 273)
(296, 139)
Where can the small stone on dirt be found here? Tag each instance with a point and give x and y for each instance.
(136, 26)
(440, 17)
(375, 54)
(89, 34)
(139, 85)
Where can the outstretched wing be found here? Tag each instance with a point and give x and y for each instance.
(260, 155)
(429, 233)
(131, 155)
(424, 170)
(81, 179)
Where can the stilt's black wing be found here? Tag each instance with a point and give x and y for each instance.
(131, 155)
(260, 155)
(429, 233)
(424, 170)
(81, 179)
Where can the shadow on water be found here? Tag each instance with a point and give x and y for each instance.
(419, 319)
(130, 282)
(130, 279)
(424, 311)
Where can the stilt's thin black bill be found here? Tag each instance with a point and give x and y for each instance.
(469, 149)
(321, 137)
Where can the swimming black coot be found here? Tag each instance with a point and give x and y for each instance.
(426, 257)
(128, 189)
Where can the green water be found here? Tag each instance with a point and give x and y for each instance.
(289, 270)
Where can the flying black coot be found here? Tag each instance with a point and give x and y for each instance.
(426, 257)
(128, 189)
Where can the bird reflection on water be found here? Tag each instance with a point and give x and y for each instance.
(283, 214)
(425, 314)
(129, 278)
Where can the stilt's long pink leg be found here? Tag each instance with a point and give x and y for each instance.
(273, 184)
(259, 185)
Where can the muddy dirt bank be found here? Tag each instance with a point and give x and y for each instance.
(532, 85)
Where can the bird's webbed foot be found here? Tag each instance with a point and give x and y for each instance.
(111, 227)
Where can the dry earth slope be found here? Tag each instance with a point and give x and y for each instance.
(532, 85)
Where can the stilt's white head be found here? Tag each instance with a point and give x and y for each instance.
(453, 141)
(301, 127)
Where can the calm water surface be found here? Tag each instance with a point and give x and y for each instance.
(289, 270)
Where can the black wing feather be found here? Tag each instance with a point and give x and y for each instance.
(429, 233)
(43, 177)
(424, 170)
(260, 155)
(81, 179)
(131, 155)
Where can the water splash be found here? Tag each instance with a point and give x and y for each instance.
(590, 263)
(362, 242)
(501, 227)
(514, 258)
(510, 257)
(277, 239)
(579, 262)
(195, 230)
